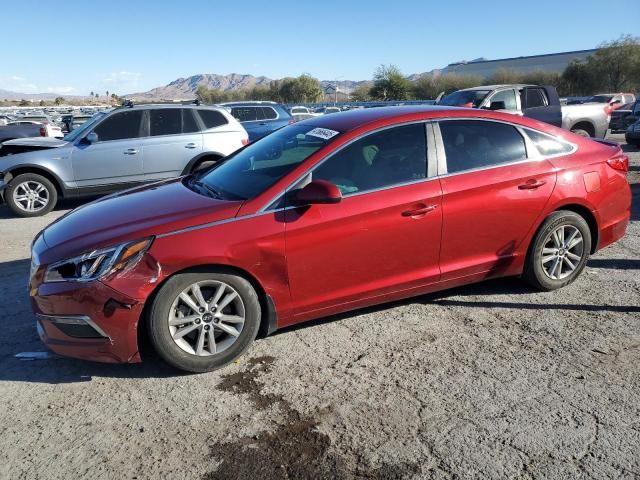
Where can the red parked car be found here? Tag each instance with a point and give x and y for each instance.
(327, 215)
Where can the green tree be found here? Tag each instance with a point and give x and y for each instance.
(361, 94)
(42, 104)
(579, 79)
(24, 103)
(59, 100)
(616, 64)
(390, 84)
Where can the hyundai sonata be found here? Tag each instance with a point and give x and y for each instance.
(327, 215)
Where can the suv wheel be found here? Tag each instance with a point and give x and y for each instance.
(31, 195)
(559, 251)
(199, 322)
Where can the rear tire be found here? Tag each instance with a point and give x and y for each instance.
(207, 345)
(581, 132)
(559, 251)
(31, 195)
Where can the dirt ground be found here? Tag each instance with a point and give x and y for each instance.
(487, 381)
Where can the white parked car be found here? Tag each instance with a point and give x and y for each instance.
(299, 110)
(50, 129)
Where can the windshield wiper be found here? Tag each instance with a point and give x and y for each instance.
(212, 191)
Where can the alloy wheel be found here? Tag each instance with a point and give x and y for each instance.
(206, 318)
(31, 196)
(562, 252)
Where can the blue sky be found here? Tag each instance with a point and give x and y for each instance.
(74, 47)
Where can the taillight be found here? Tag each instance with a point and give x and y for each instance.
(292, 121)
(43, 131)
(245, 141)
(608, 109)
(619, 162)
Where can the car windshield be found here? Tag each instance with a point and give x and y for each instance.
(250, 171)
(599, 99)
(461, 98)
(75, 134)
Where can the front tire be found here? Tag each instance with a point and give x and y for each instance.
(559, 251)
(202, 321)
(31, 195)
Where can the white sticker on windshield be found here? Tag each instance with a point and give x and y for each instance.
(323, 133)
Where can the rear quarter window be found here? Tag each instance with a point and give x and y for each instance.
(212, 118)
(548, 145)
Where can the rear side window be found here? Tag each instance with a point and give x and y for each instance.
(189, 124)
(471, 144)
(506, 96)
(212, 118)
(120, 126)
(245, 114)
(533, 97)
(268, 113)
(548, 145)
(165, 121)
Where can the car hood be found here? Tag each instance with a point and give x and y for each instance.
(40, 142)
(30, 144)
(137, 213)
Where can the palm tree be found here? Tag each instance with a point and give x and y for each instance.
(106, 94)
(91, 94)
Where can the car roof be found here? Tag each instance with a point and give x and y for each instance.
(495, 87)
(352, 119)
(252, 103)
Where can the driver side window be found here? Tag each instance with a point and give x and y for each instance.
(120, 126)
(382, 159)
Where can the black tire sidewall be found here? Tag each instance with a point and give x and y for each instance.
(534, 273)
(161, 337)
(13, 184)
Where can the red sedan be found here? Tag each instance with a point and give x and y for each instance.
(327, 215)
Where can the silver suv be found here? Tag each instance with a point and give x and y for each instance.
(112, 151)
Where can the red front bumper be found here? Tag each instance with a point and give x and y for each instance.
(95, 307)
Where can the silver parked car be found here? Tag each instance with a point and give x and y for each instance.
(114, 151)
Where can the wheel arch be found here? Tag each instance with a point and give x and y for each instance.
(200, 158)
(268, 317)
(585, 125)
(584, 211)
(13, 172)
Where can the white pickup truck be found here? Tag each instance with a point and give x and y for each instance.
(539, 102)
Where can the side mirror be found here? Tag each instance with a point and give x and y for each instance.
(497, 106)
(318, 192)
(92, 137)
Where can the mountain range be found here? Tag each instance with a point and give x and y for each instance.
(185, 88)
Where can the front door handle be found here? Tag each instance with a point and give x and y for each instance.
(190, 145)
(531, 184)
(130, 151)
(419, 211)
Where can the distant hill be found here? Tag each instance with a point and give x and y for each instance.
(9, 95)
(185, 88)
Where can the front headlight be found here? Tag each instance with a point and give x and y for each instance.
(98, 263)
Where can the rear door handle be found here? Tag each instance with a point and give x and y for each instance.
(531, 184)
(130, 151)
(419, 211)
(190, 145)
(263, 123)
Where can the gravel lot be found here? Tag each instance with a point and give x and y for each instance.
(487, 381)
